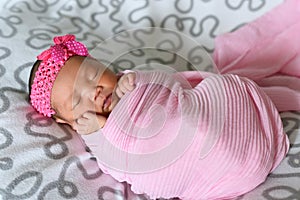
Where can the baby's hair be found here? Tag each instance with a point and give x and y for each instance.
(32, 75)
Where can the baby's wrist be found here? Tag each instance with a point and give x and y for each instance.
(101, 121)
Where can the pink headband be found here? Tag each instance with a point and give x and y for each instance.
(53, 59)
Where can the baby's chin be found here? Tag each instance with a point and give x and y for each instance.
(108, 110)
(114, 102)
(112, 106)
(105, 114)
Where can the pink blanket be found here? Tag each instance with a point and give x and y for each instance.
(267, 51)
(198, 135)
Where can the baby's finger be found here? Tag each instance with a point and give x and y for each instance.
(79, 128)
(122, 86)
(89, 115)
(128, 86)
(82, 131)
(82, 121)
(131, 78)
(101, 120)
(125, 86)
(119, 92)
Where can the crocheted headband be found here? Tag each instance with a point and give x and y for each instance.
(52, 60)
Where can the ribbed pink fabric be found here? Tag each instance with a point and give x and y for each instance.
(196, 135)
(217, 140)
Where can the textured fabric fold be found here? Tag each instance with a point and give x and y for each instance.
(266, 50)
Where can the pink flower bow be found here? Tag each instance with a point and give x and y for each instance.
(44, 55)
(62, 46)
(63, 39)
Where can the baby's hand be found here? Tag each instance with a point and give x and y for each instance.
(88, 123)
(125, 84)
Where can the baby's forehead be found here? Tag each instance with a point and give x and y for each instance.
(80, 63)
(88, 62)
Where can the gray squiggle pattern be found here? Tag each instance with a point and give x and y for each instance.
(40, 159)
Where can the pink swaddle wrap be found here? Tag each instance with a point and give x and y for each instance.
(214, 141)
(198, 135)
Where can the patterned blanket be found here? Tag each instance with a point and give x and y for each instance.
(42, 160)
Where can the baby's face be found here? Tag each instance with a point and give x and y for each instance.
(83, 84)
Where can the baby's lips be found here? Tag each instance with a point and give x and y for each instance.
(114, 101)
(107, 102)
(99, 104)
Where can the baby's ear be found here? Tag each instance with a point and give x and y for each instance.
(62, 121)
(59, 120)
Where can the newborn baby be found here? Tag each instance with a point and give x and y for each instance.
(192, 135)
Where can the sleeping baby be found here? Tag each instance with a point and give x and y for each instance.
(76, 95)
(191, 135)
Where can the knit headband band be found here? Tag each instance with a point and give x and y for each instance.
(52, 60)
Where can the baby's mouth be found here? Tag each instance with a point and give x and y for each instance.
(107, 102)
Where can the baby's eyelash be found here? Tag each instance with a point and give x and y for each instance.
(76, 104)
(96, 74)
